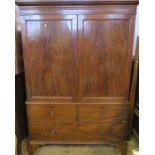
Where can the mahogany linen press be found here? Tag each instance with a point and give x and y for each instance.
(77, 59)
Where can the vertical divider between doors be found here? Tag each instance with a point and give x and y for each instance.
(78, 76)
(80, 56)
(75, 52)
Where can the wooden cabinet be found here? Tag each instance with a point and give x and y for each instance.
(77, 57)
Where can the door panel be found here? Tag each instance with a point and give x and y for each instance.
(51, 55)
(103, 57)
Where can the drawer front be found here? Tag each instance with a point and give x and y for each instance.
(51, 113)
(110, 113)
(78, 132)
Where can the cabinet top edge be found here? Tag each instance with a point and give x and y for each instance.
(74, 2)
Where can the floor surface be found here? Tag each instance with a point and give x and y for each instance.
(80, 150)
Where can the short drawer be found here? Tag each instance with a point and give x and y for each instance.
(54, 132)
(104, 113)
(78, 132)
(51, 113)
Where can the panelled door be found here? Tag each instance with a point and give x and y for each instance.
(77, 56)
(50, 56)
(104, 55)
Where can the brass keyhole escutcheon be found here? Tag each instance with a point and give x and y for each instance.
(101, 132)
(124, 122)
(53, 132)
(102, 114)
(52, 113)
(45, 26)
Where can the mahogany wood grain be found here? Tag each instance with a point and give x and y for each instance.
(77, 57)
(51, 113)
(57, 113)
(103, 44)
(105, 113)
(84, 100)
(80, 9)
(50, 55)
(79, 132)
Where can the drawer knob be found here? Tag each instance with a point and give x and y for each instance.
(102, 114)
(53, 132)
(101, 132)
(52, 113)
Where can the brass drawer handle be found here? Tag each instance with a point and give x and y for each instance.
(53, 132)
(124, 122)
(45, 26)
(102, 114)
(101, 132)
(52, 113)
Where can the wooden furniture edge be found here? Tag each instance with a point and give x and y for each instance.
(33, 145)
(133, 87)
(75, 2)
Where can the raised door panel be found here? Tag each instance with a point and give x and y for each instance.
(50, 55)
(105, 56)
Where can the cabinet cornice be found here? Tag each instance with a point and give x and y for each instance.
(75, 2)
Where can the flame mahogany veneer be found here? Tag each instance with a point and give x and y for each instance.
(77, 59)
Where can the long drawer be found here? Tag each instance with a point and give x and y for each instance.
(78, 132)
(43, 113)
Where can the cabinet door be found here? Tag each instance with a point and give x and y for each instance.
(50, 55)
(105, 55)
